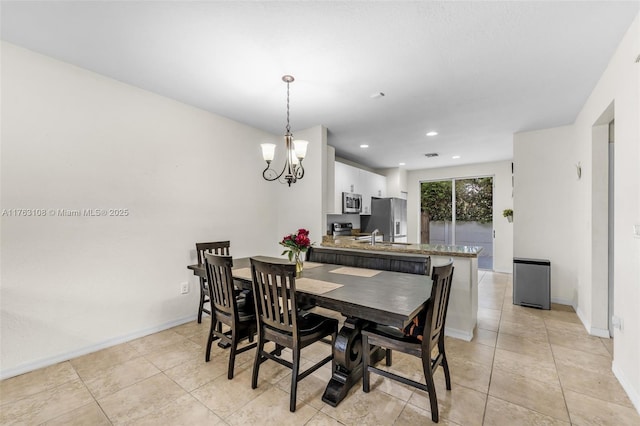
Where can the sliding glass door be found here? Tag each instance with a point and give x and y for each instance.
(459, 212)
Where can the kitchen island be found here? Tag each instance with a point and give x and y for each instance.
(463, 303)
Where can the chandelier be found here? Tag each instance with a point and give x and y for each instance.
(294, 151)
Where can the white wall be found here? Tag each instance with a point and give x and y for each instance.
(545, 210)
(72, 139)
(502, 199)
(330, 181)
(620, 85)
(301, 205)
(582, 233)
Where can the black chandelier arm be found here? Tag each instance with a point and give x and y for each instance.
(295, 172)
(291, 177)
(299, 174)
(264, 172)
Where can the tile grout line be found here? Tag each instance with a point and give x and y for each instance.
(189, 393)
(509, 402)
(555, 364)
(522, 406)
(493, 359)
(559, 381)
(580, 392)
(90, 393)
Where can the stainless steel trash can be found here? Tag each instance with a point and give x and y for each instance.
(532, 282)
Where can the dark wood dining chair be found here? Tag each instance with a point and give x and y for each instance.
(228, 309)
(216, 247)
(433, 335)
(280, 321)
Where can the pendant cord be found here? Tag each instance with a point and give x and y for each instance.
(288, 126)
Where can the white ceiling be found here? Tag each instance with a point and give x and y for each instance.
(476, 72)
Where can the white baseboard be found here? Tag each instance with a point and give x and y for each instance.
(458, 334)
(583, 319)
(45, 362)
(563, 302)
(631, 392)
(599, 332)
(593, 331)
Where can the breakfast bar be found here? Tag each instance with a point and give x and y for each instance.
(463, 304)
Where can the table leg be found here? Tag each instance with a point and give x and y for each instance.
(347, 353)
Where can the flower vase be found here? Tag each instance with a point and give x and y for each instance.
(299, 264)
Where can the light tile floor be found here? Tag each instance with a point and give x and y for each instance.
(524, 366)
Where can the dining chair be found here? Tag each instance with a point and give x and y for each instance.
(227, 309)
(280, 321)
(391, 338)
(216, 247)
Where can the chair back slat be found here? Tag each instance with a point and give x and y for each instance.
(216, 247)
(221, 289)
(436, 312)
(274, 292)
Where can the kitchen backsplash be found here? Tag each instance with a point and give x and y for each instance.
(352, 218)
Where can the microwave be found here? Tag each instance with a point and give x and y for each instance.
(351, 203)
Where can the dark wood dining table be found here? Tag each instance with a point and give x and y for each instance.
(362, 296)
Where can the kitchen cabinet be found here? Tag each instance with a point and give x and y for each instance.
(352, 179)
(373, 185)
(346, 180)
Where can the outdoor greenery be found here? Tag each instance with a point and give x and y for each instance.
(436, 200)
(474, 200)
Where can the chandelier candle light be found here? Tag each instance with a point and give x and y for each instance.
(295, 152)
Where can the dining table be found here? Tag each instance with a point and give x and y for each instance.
(361, 295)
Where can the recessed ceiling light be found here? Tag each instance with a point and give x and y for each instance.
(432, 133)
(455, 157)
(402, 164)
(364, 146)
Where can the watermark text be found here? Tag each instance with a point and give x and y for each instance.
(57, 212)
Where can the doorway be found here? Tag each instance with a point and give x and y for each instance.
(459, 212)
(601, 186)
(611, 224)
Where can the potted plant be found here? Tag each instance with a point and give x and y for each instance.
(508, 213)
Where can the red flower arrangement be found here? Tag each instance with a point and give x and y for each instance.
(296, 243)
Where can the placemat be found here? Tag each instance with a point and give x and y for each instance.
(356, 272)
(244, 273)
(309, 285)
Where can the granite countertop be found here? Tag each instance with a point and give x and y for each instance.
(431, 249)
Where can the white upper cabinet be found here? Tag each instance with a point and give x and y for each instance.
(353, 179)
(379, 185)
(373, 185)
(347, 178)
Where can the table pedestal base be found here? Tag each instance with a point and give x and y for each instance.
(347, 353)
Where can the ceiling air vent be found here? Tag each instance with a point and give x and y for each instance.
(431, 154)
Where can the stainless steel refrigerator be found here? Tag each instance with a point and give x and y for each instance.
(389, 216)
